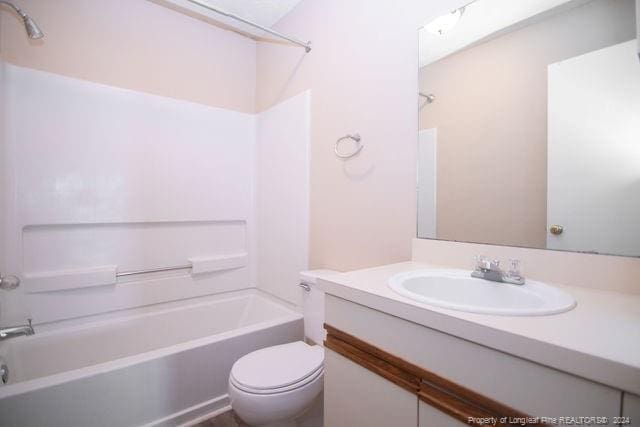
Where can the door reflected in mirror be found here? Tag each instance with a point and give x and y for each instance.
(529, 116)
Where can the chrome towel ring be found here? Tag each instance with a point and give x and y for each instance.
(355, 137)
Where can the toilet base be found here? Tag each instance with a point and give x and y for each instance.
(313, 416)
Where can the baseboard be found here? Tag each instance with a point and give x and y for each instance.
(194, 414)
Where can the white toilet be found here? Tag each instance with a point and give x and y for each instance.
(275, 385)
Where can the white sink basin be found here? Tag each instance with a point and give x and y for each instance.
(457, 290)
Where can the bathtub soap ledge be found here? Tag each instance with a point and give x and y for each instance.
(70, 279)
(200, 265)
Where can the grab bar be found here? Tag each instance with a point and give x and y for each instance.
(198, 265)
(154, 270)
(49, 281)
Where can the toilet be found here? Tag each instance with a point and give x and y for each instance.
(275, 385)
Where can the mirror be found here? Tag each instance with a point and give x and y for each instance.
(529, 134)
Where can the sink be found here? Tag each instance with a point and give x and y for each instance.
(457, 290)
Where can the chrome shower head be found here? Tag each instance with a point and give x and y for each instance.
(428, 96)
(33, 31)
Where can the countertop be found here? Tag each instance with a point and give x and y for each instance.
(598, 340)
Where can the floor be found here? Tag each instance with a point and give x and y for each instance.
(228, 419)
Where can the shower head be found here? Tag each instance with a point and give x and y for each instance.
(33, 31)
(429, 97)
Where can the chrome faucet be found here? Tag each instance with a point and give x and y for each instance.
(490, 270)
(16, 331)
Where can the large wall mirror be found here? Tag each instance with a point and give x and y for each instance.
(530, 125)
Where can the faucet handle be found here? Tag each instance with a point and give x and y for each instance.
(482, 262)
(514, 268)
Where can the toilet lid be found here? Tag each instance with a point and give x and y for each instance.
(278, 366)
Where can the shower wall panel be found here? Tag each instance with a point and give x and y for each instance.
(111, 177)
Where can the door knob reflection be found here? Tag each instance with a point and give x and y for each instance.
(556, 229)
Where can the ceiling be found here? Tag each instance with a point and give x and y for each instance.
(481, 19)
(263, 12)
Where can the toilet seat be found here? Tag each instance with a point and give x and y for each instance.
(311, 378)
(278, 369)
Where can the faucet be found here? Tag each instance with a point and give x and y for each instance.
(490, 270)
(16, 331)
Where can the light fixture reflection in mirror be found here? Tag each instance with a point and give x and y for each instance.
(445, 23)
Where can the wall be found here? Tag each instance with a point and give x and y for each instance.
(135, 44)
(108, 179)
(282, 197)
(491, 115)
(363, 75)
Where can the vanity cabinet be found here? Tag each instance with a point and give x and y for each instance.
(631, 408)
(449, 378)
(428, 416)
(353, 396)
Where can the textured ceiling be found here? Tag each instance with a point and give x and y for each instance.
(263, 12)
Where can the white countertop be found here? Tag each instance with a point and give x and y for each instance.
(598, 340)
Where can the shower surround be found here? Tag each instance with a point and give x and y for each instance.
(101, 180)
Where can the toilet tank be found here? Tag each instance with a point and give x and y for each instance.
(313, 305)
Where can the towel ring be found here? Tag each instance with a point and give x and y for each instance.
(355, 137)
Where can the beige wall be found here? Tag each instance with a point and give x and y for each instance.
(491, 115)
(135, 44)
(363, 76)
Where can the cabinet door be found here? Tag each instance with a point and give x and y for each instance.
(429, 416)
(631, 408)
(356, 397)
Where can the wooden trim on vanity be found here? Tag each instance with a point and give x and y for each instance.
(380, 366)
(453, 399)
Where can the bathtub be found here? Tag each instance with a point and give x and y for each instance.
(163, 365)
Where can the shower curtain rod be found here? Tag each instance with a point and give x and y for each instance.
(306, 46)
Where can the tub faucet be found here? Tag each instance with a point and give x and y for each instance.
(16, 331)
(490, 270)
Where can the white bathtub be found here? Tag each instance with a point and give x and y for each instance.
(162, 366)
